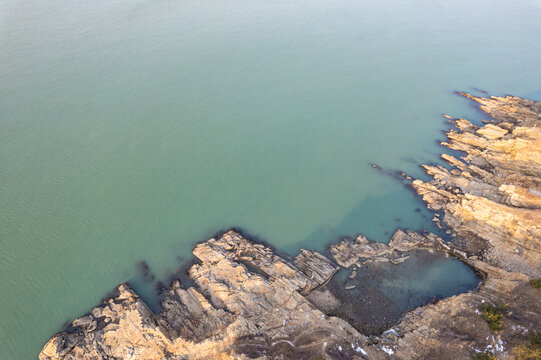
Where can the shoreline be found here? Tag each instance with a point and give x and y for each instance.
(249, 302)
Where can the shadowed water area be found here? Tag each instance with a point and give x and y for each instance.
(130, 130)
(374, 296)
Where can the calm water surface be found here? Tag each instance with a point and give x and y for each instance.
(129, 130)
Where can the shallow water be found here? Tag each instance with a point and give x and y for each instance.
(375, 296)
(422, 278)
(129, 130)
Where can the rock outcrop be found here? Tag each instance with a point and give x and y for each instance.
(493, 192)
(490, 199)
(353, 252)
(248, 302)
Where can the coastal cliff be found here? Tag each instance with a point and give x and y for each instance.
(248, 302)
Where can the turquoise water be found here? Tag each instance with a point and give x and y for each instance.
(418, 280)
(129, 130)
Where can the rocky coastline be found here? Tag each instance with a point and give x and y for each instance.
(247, 302)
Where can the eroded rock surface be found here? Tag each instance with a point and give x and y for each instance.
(250, 303)
(490, 200)
(353, 252)
(493, 192)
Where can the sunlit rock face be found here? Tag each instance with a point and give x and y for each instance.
(247, 302)
(493, 192)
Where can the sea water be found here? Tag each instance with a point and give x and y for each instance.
(130, 130)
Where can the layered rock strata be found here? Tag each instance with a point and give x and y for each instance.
(250, 303)
(492, 193)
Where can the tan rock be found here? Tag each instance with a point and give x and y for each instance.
(494, 192)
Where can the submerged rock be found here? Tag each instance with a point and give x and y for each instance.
(247, 302)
